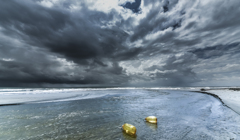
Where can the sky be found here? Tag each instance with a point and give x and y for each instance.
(149, 43)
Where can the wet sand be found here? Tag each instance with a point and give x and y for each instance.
(181, 115)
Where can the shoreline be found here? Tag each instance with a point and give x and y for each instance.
(217, 97)
(208, 93)
(222, 99)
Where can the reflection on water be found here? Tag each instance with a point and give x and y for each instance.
(152, 126)
(128, 136)
(192, 116)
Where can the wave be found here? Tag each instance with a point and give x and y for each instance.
(40, 95)
(14, 91)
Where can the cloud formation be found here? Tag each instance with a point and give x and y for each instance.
(119, 43)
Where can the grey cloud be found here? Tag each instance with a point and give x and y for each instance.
(169, 4)
(74, 38)
(224, 17)
(217, 51)
(135, 6)
(177, 71)
(175, 44)
(152, 24)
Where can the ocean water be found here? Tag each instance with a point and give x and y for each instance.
(33, 95)
(99, 114)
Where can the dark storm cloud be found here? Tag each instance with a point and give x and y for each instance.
(72, 37)
(154, 23)
(134, 6)
(177, 25)
(167, 43)
(217, 51)
(61, 33)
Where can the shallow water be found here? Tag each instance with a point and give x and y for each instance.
(181, 115)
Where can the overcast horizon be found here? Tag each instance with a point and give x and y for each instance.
(150, 43)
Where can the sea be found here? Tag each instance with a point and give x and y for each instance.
(99, 113)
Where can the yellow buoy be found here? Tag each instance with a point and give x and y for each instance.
(129, 129)
(151, 119)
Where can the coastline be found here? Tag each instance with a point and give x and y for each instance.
(229, 97)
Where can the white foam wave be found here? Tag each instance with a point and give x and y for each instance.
(28, 91)
(26, 95)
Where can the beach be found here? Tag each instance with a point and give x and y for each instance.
(229, 97)
(182, 114)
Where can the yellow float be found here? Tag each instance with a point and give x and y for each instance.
(129, 129)
(151, 119)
